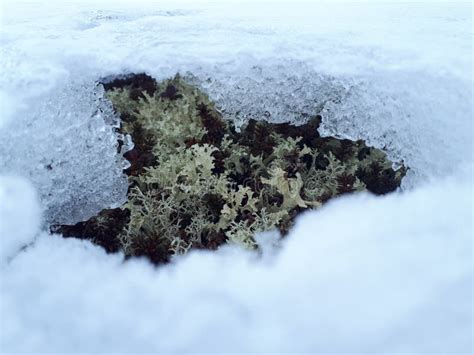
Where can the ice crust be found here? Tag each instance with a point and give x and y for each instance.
(65, 143)
(272, 61)
(276, 62)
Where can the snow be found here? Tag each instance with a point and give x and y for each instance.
(20, 215)
(363, 274)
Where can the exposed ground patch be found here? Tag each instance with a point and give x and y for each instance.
(195, 182)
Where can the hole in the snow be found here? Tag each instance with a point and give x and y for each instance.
(195, 182)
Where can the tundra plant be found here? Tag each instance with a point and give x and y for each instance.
(195, 182)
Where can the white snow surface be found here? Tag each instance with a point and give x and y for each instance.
(363, 274)
(20, 215)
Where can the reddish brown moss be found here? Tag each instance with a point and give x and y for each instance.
(323, 168)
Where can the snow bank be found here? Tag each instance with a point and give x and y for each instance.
(363, 274)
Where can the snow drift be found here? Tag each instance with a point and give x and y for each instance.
(363, 274)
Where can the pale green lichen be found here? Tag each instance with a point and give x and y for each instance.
(197, 183)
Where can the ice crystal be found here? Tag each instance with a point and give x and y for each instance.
(69, 149)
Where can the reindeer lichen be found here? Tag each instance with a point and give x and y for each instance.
(197, 183)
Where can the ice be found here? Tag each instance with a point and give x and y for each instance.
(65, 144)
(392, 80)
(412, 117)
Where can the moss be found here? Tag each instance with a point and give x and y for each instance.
(197, 183)
(102, 229)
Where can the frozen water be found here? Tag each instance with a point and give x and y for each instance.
(64, 143)
(383, 80)
(401, 110)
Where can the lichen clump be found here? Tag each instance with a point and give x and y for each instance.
(195, 182)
